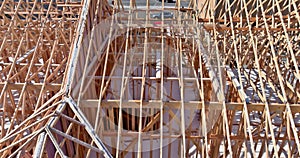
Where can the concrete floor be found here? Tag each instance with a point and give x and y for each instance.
(184, 3)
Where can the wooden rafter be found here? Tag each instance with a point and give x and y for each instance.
(119, 78)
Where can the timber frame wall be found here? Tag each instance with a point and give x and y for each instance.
(218, 78)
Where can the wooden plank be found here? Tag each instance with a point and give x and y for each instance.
(274, 107)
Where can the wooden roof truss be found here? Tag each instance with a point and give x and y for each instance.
(103, 79)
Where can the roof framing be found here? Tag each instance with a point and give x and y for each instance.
(219, 78)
